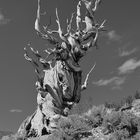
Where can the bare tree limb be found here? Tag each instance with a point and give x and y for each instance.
(40, 59)
(46, 27)
(60, 32)
(33, 62)
(78, 17)
(97, 2)
(101, 28)
(86, 46)
(89, 18)
(69, 25)
(35, 52)
(45, 35)
(37, 21)
(84, 86)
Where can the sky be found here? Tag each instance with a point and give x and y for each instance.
(117, 71)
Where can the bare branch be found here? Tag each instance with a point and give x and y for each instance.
(94, 42)
(97, 2)
(35, 52)
(37, 22)
(89, 18)
(47, 36)
(35, 65)
(48, 52)
(101, 28)
(69, 25)
(78, 17)
(86, 46)
(27, 57)
(89, 4)
(39, 58)
(46, 27)
(84, 86)
(60, 32)
(98, 29)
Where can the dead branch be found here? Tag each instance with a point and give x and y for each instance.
(35, 52)
(60, 32)
(101, 28)
(78, 17)
(47, 36)
(33, 62)
(89, 18)
(37, 21)
(69, 25)
(97, 2)
(84, 86)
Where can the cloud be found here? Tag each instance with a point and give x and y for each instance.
(15, 110)
(129, 66)
(113, 36)
(123, 53)
(115, 82)
(3, 20)
(126, 52)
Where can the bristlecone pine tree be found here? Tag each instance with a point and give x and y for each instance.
(59, 75)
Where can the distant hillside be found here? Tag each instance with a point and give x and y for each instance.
(4, 133)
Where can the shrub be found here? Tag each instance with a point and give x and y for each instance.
(121, 134)
(96, 115)
(113, 105)
(74, 126)
(122, 125)
(111, 121)
(127, 101)
(137, 95)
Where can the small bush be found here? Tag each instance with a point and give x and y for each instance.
(95, 115)
(74, 126)
(113, 105)
(137, 95)
(111, 121)
(127, 101)
(122, 124)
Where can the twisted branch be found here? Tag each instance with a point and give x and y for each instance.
(47, 36)
(84, 86)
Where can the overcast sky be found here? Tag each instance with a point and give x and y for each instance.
(117, 71)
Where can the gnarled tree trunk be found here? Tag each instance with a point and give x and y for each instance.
(59, 75)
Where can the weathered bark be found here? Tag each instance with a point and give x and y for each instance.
(59, 75)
